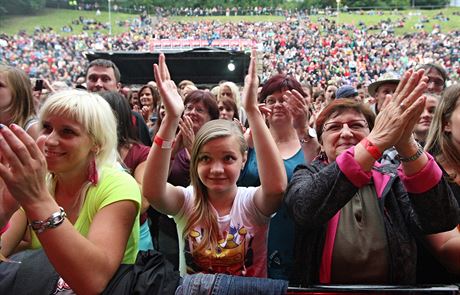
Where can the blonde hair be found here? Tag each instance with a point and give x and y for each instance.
(21, 106)
(439, 142)
(202, 213)
(235, 92)
(91, 111)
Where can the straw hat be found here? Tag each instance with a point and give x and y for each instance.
(387, 78)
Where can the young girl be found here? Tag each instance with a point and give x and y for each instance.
(223, 228)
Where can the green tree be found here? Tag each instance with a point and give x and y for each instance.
(21, 6)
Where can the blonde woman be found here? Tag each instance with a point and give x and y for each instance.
(76, 203)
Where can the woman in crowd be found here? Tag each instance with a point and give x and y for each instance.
(16, 100)
(423, 125)
(356, 221)
(227, 109)
(200, 107)
(443, 143)
(217, 221)
(133, 154)
(83, 211)
(288, 113)
(230, 90)
(149, 98)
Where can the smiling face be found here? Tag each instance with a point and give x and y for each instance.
(68, 147)
(199, 114)
(219, 165)
(423, 125)
(342, 131)
(146, 97)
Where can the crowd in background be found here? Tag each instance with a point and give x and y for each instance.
(316, 52)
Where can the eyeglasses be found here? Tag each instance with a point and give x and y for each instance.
(436, 81)
(190, 107)
(271, 100)
(355, 125)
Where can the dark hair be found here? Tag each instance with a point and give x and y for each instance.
(155, 94)
(100, 62)
(229, 104)
(280, 82)
(339, 106)
(120, 106)
(440, 69)
(208, 99)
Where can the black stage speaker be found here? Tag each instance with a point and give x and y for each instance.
(200, 65)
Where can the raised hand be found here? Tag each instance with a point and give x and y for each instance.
(298, 106)
(400, 112)
(174, 105)
(251, 83)
(186, 130)
(23, 168)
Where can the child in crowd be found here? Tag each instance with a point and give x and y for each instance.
(222, 227)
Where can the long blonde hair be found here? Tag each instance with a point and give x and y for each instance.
(202, 214)
(439, 142)
(21, 107)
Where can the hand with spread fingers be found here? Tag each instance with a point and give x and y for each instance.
(399, 113)
(23, 168)
(298, 107)
(186, 130)
(172, 101)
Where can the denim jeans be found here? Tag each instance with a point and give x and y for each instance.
(221, 284)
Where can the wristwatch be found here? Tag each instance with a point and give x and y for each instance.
(311, 134)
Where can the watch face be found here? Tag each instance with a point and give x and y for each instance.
(312, 132)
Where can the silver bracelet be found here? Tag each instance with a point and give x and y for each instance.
(56, 219)
(413, 157)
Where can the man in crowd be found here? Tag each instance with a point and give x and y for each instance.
(385, 85)
(103, 75)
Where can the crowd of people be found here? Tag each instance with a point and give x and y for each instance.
(316, 52)
(311, 173)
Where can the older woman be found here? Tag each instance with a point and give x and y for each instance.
(357, 221)
(85, 211)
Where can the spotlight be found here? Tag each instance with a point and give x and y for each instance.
(231, 66)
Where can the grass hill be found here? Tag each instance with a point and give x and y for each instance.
(58, 18)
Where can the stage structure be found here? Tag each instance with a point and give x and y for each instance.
(201, 65)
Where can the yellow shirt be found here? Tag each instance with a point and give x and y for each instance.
(114, 186)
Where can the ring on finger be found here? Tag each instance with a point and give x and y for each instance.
(402, 106)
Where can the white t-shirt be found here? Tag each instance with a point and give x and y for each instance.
(243, 248)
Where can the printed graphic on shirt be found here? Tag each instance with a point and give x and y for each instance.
(233, 254)
(62, 288)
